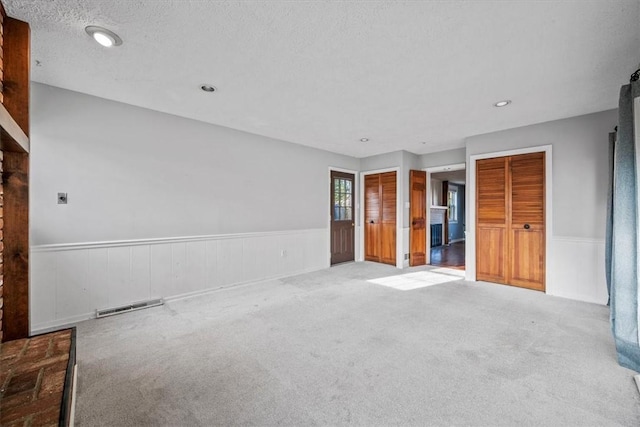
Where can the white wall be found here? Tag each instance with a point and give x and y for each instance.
(134, 175)
(579, 173)
(443, 158)
(436, 192)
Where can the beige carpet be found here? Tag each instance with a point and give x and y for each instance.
(355, 345)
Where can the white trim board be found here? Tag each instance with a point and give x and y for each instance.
(470, 247)
(161, 240)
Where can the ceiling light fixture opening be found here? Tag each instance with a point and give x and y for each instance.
(364, 139)
(208, 88)
(103, 36)
(502, 103)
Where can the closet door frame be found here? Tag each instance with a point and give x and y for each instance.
(399, 213)
(470, 255)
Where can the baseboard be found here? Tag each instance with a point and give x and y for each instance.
(578, 297)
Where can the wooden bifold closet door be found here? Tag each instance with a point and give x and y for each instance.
(380, 217)
(510, 224)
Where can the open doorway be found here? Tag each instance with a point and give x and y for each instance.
(447, 211)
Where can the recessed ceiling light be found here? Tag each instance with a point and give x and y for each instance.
(364, 139)
(103, 36)
(502, 103)
(208, 88)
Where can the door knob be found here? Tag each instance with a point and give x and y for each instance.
(371, 222)
(527, 226)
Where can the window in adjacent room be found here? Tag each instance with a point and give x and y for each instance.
(452, 204)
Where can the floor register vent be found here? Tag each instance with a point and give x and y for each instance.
(129, 307)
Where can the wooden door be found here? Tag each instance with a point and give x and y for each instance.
(342, 217)
(380, 218)
(372, 207)
(418, 214)
(510, 229)
(388, 220)
(491, 220)
(527, 228)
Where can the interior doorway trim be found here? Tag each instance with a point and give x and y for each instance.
(399, 217)
(356, 215)
(429, 171)
(470, 249)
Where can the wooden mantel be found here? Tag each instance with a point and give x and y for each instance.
(12, 137)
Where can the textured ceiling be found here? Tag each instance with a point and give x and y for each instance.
(418, 76)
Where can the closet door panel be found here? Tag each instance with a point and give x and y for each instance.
(527, 229)
(389, 210)
(372, 207)
(492, 218)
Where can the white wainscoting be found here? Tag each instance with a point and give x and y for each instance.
(70, 281)
(577, 269)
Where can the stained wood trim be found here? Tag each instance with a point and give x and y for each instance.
(417, 218)
(12, 138)
(17, 62)
(16, 245)
(445, 222)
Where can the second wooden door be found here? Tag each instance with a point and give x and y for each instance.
(380, 217)
(510, 226)
(418, 218)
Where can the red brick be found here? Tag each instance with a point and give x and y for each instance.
(42, 363)
(37, 349)
(61, 345)
(47, 418)
(64, 334)
(12, 349)
(52, 380)
(17, 399)
(5, 371)
(21, 382)
(40, 405)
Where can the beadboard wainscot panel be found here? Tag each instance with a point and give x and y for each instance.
(70, 281)
(577, 269)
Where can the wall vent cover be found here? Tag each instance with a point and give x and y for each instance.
(129, 307)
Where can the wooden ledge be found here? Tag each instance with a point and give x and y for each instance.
(12, 137)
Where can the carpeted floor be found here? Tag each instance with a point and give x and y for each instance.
(353, 345)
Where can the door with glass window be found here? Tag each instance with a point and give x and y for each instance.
(342, 217)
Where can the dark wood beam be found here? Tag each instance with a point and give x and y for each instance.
(15, 177)
(17, 65)
(16, 51)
